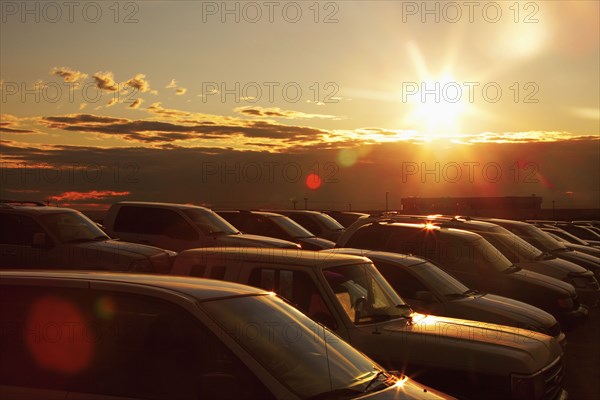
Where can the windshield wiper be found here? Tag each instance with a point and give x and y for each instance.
(375, 378)
(511, 269)
(545, 256)
(473, 291)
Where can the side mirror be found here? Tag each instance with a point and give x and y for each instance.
(424, 296)
(39, 241)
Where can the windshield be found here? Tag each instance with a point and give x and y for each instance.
(330, 223)
(565, 236)
(488, 255)
(291, 227)
(440, 281)
(538, 238)
(301, 354)
(364, 294)
(71, 227)
(210, 222)
(510, 245)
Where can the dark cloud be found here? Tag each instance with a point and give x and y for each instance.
(276, 112)
(158, 131)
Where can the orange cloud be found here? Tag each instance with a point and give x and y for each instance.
(68, 74)
(94, 194)
(139, 82)
(105, 81)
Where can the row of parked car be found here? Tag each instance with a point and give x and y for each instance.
(470, 307)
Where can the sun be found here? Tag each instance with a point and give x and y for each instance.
(437, 106)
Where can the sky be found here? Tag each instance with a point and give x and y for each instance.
(262, 103)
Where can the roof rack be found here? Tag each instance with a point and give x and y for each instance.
(11, 203)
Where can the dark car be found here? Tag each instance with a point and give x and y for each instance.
(111, 336)
(322, 225)
(523, 254)
(547, 244)
(473, 261)
(346, 218)
(33, 235)
(430, 290)
(274, 225)
(346, 293)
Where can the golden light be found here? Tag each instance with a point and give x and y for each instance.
(437, 106)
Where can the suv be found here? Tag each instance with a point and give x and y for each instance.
(571, 241)
(33, 235)
(550, 247)
(472, 260)
(347, 294)
(275, 225)
(316, 222)
(107, 336)
(523, 254)
(178, 227)
(346, 218)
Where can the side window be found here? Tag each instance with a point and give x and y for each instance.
(18, 230)
(161, 351)
(407, 241)
(153, 221)
(372, 237)
(217, 272)
(307, 222)
(298, 288)
(402, 281)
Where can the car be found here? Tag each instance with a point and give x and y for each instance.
(345, 218)
(346, 293)
(178, 227)
(522, 254)
(78, 335)
(581, 231)
(547, 244)
(34, 235)
(274, 225)
(320, 224)
(472, 260)
(430, 290)
(570, 241)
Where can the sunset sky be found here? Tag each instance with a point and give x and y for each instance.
(235, 104)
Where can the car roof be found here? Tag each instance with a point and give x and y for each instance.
(200, 289)
(406, 260)
(300, 258)
(310, 212)
(264, 213)
(502, 222)
(38, 209)
(159, 204)
(457, 231)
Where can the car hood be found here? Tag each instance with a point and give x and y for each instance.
(442, 342)
(315, 243)
(248, 240)
(502, 310)
(556, 267)
(528, 278)
(579, 258)
(408, 389)
(592, 251)
(123, 248)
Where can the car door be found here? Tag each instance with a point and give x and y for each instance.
(299, 288)
(25, 244)
(114, 345)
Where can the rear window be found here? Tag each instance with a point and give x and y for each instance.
(153, 221)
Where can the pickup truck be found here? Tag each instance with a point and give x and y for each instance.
(346, 293)
(179, 227)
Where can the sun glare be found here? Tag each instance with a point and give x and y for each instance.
(437, 106)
